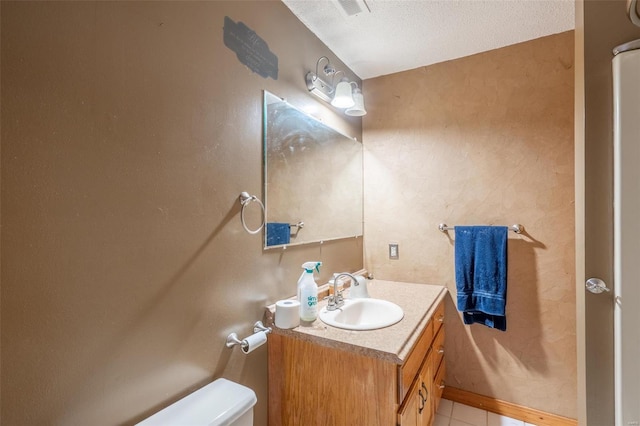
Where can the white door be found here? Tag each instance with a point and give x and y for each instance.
(626, 101)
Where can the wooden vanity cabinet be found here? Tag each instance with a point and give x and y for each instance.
(313, 384)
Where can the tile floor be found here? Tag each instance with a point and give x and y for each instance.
(455, 414)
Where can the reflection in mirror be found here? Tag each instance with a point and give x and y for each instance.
(313, 178)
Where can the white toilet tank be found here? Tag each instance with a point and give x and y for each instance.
(219, 403)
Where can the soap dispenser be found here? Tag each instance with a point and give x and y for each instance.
(308, 292)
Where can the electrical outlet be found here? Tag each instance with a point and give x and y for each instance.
(393, 251)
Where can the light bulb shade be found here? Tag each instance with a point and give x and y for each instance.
(358, 108)
(343, 97)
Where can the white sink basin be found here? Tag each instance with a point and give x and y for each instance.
(363, 314)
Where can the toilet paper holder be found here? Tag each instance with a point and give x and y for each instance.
(233, 340)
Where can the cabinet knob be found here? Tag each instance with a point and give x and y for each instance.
(441, 350)
(440, 318)
(441, 385)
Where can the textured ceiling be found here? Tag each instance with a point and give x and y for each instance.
(398, 35)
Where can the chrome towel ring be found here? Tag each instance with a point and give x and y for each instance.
(245, 200)
(632, 11)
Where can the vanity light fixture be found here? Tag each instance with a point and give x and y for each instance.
(343, 98)
(342, 95)
(358, 108)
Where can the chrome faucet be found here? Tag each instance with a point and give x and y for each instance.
(337, 300)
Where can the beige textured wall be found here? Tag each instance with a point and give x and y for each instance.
(486, 139)
(128, 132)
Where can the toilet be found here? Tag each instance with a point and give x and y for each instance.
(219, 403)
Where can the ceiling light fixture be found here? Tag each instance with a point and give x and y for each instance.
(341, 95)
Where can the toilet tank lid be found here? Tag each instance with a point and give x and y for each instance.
(218, 403)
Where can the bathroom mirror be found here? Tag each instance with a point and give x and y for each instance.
(312, 178)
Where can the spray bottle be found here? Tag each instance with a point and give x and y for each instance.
(308, 292)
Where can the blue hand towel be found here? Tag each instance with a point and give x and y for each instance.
(481, 274)
(278, 233)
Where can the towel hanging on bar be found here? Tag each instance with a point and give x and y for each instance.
(278, 233)
(481, 274)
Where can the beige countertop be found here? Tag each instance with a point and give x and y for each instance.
(393, 343)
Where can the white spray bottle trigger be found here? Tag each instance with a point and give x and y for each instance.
(310, 266)
(308, 269)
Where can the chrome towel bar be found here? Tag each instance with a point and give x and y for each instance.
(517, 228)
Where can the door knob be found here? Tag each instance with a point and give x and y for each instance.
(596, 286)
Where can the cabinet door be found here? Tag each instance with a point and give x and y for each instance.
(425, 392)
(408, 415)
(418, 407)
(425, 411)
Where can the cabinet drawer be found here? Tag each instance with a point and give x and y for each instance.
(409, 370)
(438, 383)
(438, 350)
(438, 318)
